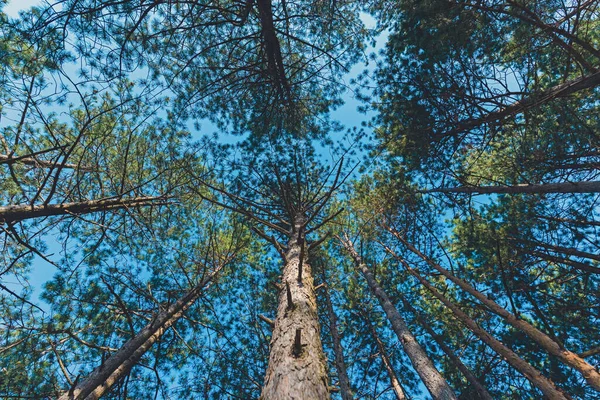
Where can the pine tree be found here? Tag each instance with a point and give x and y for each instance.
(451, 254)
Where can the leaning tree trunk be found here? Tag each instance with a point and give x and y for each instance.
(385, 359)
(296, 361)
(340, 364)
(16, 213)
(590, 352)
(545, 385)
(479, 388)
(101, 380)
(578, 265)
(33, 161)
(533, 100)
(541, 188)
(559, 249)
(431, 377)
(588, 371)
(580, 222)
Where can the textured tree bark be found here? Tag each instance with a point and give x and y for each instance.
(545, 385)
(395, 383)
(483, 393)
(337, 348)
(21, 212)
(296, 368)
(563, 187)
(590, 374)
(431, 377)
(101, 380)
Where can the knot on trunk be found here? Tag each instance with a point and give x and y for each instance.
(297, 350)
(290, 301)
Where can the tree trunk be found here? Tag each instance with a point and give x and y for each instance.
(272, 47)
(559, 249)
(545, 385)
(541, 188)
(297, 367)
(340, 365)
(101, 380)
(534, 99)
(588, 371)
(395, 383)
(21, 212)
(471, 378)
(590, 352)
(581, 266)
(431, 377)
(33, 161)
(570, 221)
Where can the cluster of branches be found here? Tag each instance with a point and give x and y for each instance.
(498, 131)
(195, 271)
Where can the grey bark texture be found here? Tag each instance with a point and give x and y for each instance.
(293, 375)
(101, 380)
(431, 377)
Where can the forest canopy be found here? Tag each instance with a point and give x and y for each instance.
(275, 199)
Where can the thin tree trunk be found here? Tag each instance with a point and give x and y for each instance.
(101, 380)
(541, 188)
(568, 357)
(272, 47)
(395, 383)
(559, 249)
(567, 261)
(431, 377)
(297, 367)
(481, 390)
(33, 161)
(545, 385)
(340, 364)
(570, 221)
(590, 352)
(22, 212)
(534, 99)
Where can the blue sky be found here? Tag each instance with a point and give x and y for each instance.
(14, 6)
(347, 114)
